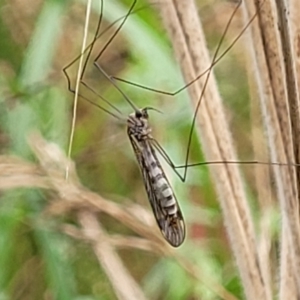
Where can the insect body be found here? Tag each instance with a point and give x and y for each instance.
(161, 196)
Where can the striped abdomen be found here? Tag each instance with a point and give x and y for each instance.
(161, 197)
(159, 182)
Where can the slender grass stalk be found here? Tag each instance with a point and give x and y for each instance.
(77, 85)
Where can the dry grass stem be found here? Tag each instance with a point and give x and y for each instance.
(267, 61)
(294, 114)
(290, 78)
(123, 283)
(264, 194)
(294, 10)
(80, 67)
(259, 67)
(184, 28)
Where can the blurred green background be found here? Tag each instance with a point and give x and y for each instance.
(38, 39)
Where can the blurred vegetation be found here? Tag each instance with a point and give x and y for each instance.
(39, 38)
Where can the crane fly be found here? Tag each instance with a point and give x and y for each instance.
(162, 199)
(160, 194)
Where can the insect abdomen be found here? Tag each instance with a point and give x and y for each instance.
(160, 194)
(160, 184)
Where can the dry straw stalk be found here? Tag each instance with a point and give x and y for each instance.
(273, 63)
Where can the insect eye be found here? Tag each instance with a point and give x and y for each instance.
(138, 114)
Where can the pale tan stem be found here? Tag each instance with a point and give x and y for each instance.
(185, 30)
(267, 61)
(123, 283)
(287, 288)
(264, 194)
(295, 28)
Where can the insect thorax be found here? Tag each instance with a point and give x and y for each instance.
(137, 125)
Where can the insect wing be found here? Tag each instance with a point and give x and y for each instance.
(171, 225)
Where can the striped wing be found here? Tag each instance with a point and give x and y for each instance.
(168, 216)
